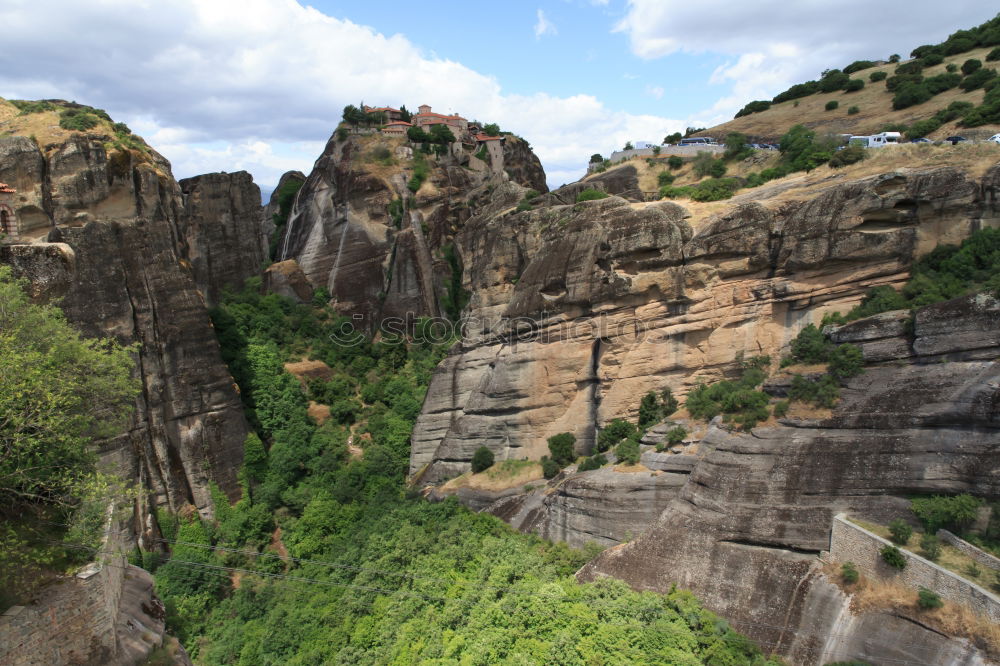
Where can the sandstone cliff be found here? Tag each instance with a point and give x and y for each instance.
(579, 309)
(759, 506)
(128, 259)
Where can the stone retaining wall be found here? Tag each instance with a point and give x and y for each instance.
(74, 620)
(851, 543)
(977, 554)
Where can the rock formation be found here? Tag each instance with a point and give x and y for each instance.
(759, 506)
(577, 310)
(128, 260)
(379, 248)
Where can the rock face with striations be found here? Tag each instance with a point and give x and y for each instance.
(223, 231)
(759, 506)
(580, 309)
(128, 263)
(381, 249)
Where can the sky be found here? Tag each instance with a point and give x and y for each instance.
(259, 85)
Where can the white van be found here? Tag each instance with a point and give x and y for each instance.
(884, 139)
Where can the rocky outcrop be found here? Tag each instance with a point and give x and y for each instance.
(579, 309)
(522, 165)
(120, 265)
(759, 506)
(384, 251)
(223, 232)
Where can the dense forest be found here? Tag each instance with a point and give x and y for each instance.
(329, 558)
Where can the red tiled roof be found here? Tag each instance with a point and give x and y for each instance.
(370, 109)
(487, 137)
(6, 189)
(438, 115)
(399, 122)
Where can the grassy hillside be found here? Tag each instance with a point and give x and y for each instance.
(52, 122)
(874, 105)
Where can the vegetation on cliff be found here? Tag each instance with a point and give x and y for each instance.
(338, 562)
(59, 393)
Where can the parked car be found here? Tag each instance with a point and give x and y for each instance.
(956, 139)
(922, 139)
(995, 138)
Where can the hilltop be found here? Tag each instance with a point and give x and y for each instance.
(873, 95)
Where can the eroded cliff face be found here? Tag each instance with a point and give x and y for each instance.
(579, 309)
(380, 249)
(744, 532)
(127, 260)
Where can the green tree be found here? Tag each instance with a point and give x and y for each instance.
(736, 147)
(649, 410)
(59, 391)
(672, 138)
(491, 129)
(628, 452)
(831, 105)
(561, 448)
(614, 432)
(675, 162)
(417, 135)
(482, 460)
(669, 403)
(596, 158)
(971, 65)
(900, 531)
(849, 573)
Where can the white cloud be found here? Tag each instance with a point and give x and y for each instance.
(775, 43)
(543, 26)
(260, 84)
(656, 92)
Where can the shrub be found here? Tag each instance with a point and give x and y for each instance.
(593, 462)
(550, 467)
(900, 531)
(846, 361)
(736, 149)
(978, 79)
(649, 411)
(854, 85)
(628, 452)
(972, 569)
(669, 403)
(833, 80)
(928, 600)
(858, 65)
(938, 84)
(849, 155)
(822, 393)
(971, 65)
(954, 512)
(591, 194)
(753, 107)
(676, 435)
(561, 448)
(482, 460)
(810, 345)
(851, 110)
(614, 432)
(894, 57)
(878, 76)
(781, 409)
(910, 94)
(951, 68)
(932, 59)
(702, 163)
(714, 189)
(801, 151)
(849, 573)
(738, 400)
(665, 178)
(77, 119)
(893, 557)
(993, 55)
(675, 162)
(797, 91)
(878, 299)
(930, 547)
(831, 105)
